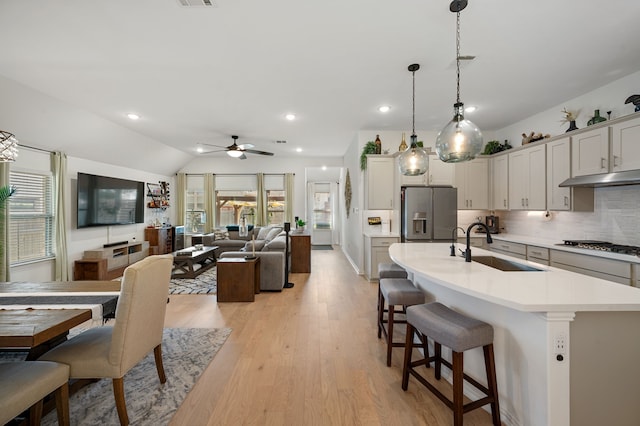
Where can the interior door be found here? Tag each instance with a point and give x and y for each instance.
(321, 215)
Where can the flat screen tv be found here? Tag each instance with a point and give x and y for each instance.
(104, 201)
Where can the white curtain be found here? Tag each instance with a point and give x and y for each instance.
(289, 180)
(4, 227)
(209, 202)
(59, 170)
(261, 202)
(181, 198)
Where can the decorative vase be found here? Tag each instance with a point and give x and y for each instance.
(572, 126)
(403, 144)
(596, 118)
(378, 143)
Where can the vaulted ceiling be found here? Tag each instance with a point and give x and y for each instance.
(199, 74)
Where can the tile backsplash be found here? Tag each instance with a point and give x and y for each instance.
(616, 218)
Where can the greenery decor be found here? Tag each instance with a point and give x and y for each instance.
(300, 223)
(369, 148)
(5, 192)
(494, 146)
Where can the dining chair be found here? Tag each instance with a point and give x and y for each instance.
(111, 351)
(24, 385)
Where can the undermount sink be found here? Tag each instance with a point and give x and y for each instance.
(503, 264)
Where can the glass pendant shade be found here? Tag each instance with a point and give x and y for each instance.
(460, 140)
(414, 160)
(234, 153)
(8, 147)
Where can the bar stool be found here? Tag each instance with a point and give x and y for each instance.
(396, 291)
(459, 333)
(389, 270)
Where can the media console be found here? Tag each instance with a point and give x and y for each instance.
(109, 262)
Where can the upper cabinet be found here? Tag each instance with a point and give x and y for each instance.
(439, 173)
(625, 145)
(500, 182)
(379, 181)
(558, 170)
(472, 181)
(527, 179)
(590, 152)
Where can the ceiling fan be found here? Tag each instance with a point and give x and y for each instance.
(237, 151)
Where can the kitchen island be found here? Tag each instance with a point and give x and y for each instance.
(567, 345)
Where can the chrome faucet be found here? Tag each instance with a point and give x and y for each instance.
(467, 252)
(453, 240)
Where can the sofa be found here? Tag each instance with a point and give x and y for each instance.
(264, 239)
(272, 272)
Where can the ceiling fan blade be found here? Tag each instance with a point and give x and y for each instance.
(245, 146)
(217, 146)
(243, 157)
(255, 151)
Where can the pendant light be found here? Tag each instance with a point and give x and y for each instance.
(460, 140)
(414, 161)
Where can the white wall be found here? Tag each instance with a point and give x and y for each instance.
(79, 240)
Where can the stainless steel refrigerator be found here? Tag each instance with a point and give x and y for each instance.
(429, 213)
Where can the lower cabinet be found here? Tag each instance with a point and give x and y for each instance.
(376, 250)
(300, 253)
(607, 269)
(538, 254)
(511, 249)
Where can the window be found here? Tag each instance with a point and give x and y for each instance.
(195, 216)
(275, 207)
(31, 220)
(233, 205)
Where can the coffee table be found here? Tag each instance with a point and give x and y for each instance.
(191, 262)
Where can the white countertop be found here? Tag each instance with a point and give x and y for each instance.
(549, 290)
(557, 245)
(379, 234)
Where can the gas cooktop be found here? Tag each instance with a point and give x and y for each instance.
(604, 246)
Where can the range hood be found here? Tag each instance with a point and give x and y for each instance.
(631, 177)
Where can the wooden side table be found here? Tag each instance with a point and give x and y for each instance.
(300, 253)
(238, 279)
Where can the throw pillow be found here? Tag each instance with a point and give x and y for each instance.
(273, 233)
(249, 245)
(262, 234)
(220, 234)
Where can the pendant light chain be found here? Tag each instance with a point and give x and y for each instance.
(458, 55)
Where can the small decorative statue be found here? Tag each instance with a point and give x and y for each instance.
(570, 117)
(533, 137)
(634, 99)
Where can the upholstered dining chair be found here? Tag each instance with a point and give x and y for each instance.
(111, 351)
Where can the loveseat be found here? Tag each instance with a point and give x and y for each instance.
(271, 238)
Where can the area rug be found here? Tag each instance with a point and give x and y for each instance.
(204, 283)
(186, 352)
(321, 247)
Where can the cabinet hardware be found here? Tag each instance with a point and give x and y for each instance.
(566, 201)
(615, 160)
(603, 163)
(505, 202)
(522, 202)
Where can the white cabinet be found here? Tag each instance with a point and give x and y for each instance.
(558, 170)
(472, 181)
(527, 179)
(379, 182)
(590, 152)
(376, 250)
(607, 269)
(625, 145)
(512, 249)
(538, 254)
(500, 182)
(439, 173)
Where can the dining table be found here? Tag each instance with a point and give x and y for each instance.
(35, 316)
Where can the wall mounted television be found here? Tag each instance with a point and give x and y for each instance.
(105, 201)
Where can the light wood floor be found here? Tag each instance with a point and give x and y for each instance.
(306, 356)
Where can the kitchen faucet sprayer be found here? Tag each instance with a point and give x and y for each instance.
(453, 240)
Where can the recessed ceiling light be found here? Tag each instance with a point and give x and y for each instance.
(290, 117)
(133, 116)
(324, 167)
(298, 149)
(199, 149)
(470, 108)
(384, 108)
